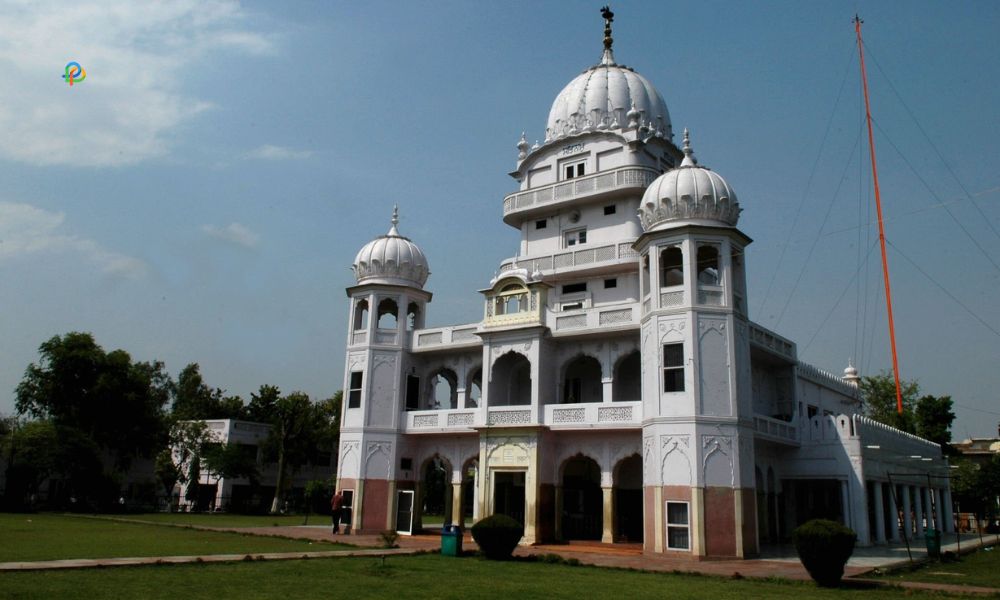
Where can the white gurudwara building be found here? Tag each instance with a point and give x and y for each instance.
(616, 389)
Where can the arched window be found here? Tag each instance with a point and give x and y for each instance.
(510, 384)
(583, 381)
(474, 389)
(361, 315)
(627, 385)
(413, 317)
(671, 266)
(645, 273)
(708, 264)
(444, 390)
(388, 313)
(512, 299)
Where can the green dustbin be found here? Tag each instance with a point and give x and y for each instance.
(451, 540)
(933, 537)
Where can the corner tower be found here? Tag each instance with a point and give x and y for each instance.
(386, 304)
(696, 386)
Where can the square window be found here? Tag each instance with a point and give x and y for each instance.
(541, 224)
(610, 283)
(577, 236)
(354, 394)
(610, 209)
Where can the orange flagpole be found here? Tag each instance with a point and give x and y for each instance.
(881, 226)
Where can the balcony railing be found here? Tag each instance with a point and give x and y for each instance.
(637, 178)
(439, 337)
(593, 318)
(767, 339)
(776, 430)
(594, 414)
(573, 258)
(429, 421)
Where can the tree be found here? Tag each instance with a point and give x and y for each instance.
(878, 397)
(231, 461)
(104, 396)
(193, 399)
(933, 417)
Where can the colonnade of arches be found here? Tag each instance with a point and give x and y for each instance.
(582, 379)
(387, 314)
(588, 505)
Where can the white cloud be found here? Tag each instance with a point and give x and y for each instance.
(234, 233)
(135, 55)
(27, 230)
(269, 152)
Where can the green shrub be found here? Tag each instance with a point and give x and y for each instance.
(497, 536)
(824, 547)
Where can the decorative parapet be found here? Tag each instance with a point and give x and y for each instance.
(826, 379)
(593, 318)
(446, 337)
(637, 178)
(868, 433)
(572, 259)
(776, 430)
(434, 421)
(766, 339)
(594, 415)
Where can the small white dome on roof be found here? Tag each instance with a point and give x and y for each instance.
(391, 259)
(689, 192)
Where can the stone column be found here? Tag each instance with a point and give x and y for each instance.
(907, 517)
(918, 511)
(845, 503)
(928, 509)
(879, 512)
(608, 535)
(949, 516)
(893, 514)
(456, 505)
(559, 512)
(607, 387)
(938, 502)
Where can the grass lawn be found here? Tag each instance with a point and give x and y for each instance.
(27, 537)
(425, 576)
(981, 568)
(230, 520)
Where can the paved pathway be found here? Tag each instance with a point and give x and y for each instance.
(776, 561)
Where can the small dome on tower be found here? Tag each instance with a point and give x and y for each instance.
(391, 259)
(688, 193)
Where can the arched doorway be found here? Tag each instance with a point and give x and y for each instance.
(435, 492)
(470, 485)
(628, 500)
(582, 499)
(582, 382)
(511, 381)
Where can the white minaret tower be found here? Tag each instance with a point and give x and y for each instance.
(388, 302)
(698, 426)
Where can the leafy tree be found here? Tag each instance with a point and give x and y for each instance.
(933, 417)
(167, 473)
(103, 396)
(232, 461)
(32, 449)
(262, 404)
(878, 397)
(194, 399)
(977, 487)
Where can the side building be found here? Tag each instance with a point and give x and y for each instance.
(616, 389)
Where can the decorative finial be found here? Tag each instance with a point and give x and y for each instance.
(395, 215)
(608, 18)
(522, 147)
(689, 159)
(608, 58)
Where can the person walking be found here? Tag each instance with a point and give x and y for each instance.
(336, 509)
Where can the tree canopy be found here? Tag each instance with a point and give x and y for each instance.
(928, 416)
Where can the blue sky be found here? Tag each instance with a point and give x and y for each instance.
(201, 196)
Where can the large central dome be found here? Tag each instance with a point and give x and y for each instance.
(607, 96)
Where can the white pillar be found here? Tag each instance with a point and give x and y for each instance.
(893, 514)
(608, 534)
(907, 517)
(918, 511)
(939, 503)
(949, 516)
(928, 509)
(607, 387)
(879, 512)
(845, 503)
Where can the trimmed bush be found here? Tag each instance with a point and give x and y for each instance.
(497, 536)
(824, 547)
